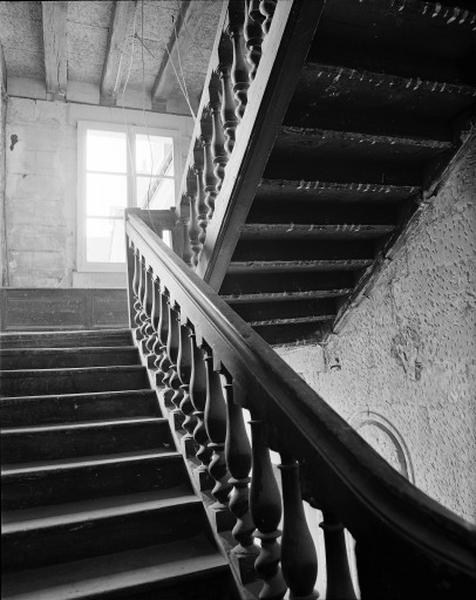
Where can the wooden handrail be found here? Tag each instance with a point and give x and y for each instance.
(408, 545)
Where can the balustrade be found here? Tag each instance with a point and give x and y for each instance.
(213, 364)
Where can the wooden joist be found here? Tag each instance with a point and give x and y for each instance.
(122, 20)
(54, 15)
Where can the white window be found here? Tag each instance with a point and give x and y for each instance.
(119, 167)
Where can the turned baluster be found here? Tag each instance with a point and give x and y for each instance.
(225, 60)
(215, 424)
(265, 505)
(135, 288)
(171, 380)
(339, 581)
(198, 395)
(267, 8)
(154, 314)
(298, 554)
(162, 362)
(200, 206)
(253, 34)
(209, 178)
(238, 460)
(146, 328)
(239, 69)
(184, 369)
(220, 157)
(193, 229)
(141, 317)
(183, 223)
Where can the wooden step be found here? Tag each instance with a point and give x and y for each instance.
(45, 535)
(341, 98)
(249, 283)
(28, 444)
(285, 309)
(68, 480)
(33, 382)
(284, 296)
(283, 231)
(55, 358)
(290, 333)
(40, 410)
(67, 339)
(286, 266)
(187, 569)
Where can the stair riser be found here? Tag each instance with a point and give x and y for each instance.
(21, 412)
(70, 382)
(63, 359)
(60, 486)
(41, 547)
(56, 444)
(66, 340)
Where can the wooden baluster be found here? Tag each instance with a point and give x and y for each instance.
(200, 206)
(265, 504)
(238, 460)
(253, 34)
(193, 229)
(220, 157)
(171, 380)
(267, 8)
(146, 328)
(198, 395)
(209, 178)
(162, 362)
(154, 315)
(183, 223)
(230, 121)
(184, 370)
(239, 69)
(136, 287)
(298, 554)
(339, 581)
(141, 318)
(215, 424)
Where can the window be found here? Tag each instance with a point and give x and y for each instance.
(119, 167)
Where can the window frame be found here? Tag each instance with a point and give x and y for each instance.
(83, 265)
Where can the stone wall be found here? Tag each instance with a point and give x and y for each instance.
(402, 369)
(41, 188)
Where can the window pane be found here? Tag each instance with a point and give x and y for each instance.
(106, 151)
(106, 195)
(105, 240)
(154, 155)
(155, 193)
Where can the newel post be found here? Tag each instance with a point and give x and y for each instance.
(298, 554)
(265, 503)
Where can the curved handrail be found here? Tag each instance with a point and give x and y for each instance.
(341, 472)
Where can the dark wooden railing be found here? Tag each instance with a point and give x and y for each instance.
(255, 63)
(212, 365)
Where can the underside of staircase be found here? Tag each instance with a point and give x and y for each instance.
(97, 501)
(382, 104)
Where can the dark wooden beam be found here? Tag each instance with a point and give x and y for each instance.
(54, 16)
(161, 88)
(122, 19)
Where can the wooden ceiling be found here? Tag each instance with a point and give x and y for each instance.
(144, 53)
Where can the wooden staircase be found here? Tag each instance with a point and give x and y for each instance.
(97, 500)
(378, 112)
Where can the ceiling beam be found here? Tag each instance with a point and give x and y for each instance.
(122, 20)
(160, 89)
(54, 16)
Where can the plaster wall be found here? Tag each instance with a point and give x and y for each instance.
(41, 188)
(402, 369)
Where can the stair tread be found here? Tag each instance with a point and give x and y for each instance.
(118, 571)
(82, 425)
(297, 265)
(291, 320)
(41, 517)
(289, 230)
(66, 350)
(63, 370)
(91, 461)
(80, 395)
(277, 296)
